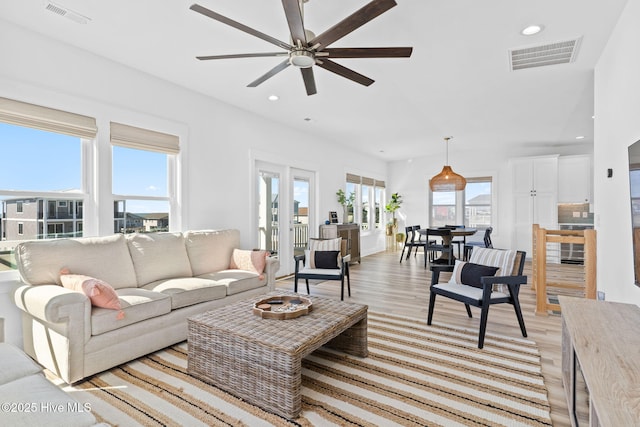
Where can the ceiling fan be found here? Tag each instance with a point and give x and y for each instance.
(307, 49)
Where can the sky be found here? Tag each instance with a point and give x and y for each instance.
(36, 160)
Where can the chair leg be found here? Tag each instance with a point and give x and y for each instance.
(432, 304)
(402, 253)
(516, 307)
(483, 322)
(308, 291)
(348, 281)
(295, 284)
(468, 310)
(342, 288)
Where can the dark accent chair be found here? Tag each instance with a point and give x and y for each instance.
(483, 296)
(438, 240)
(486, 243)
(339, 273)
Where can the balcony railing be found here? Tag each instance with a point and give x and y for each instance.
(271, 241)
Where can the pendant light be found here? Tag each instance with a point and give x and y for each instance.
(447, 180)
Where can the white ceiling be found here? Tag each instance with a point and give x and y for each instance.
(457, 82)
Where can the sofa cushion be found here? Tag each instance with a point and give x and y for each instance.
(137, 304)
(236, 281)
(503, 259)
(39, 262)
(47, 404)
(158, 256)
(16, 364)
(210, 250)
(186, 291)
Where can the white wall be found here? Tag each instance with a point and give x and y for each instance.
(617, 125)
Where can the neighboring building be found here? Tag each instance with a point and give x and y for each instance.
(40, 218)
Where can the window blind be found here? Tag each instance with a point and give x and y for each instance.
(380, 184)
(143, 139)
(367, 181)
(47, 119)
(354, 179)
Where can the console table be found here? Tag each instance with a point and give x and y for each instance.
(601, 355)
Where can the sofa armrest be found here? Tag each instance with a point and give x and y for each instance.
(51, 303)
(270, 269)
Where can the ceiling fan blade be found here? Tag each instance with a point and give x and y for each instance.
(369, 52)
(344, 72)
(272, 72)
(216, 16)
(352, 22)
(294, 19)
(309, 80)
(242, 55)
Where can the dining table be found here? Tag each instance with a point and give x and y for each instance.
(446, 239)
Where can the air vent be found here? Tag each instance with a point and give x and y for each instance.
(541, 56)
(66, 12)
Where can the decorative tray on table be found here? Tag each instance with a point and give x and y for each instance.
(282, 307)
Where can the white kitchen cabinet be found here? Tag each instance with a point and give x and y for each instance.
(575, 179)
(535, 184)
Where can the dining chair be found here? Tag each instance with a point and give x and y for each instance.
(486, 243)
(459, 242)
(409, 241)
(438, 240)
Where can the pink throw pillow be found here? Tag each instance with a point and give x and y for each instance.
(99, 292)
(254, 261)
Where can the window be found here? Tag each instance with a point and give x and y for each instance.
(42, 151)
(368, 204)
(443, 208)
(472, 207)
(141, 161)
(477, 205)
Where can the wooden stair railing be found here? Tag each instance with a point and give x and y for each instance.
(585, 287)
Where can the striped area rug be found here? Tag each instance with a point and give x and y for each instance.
(415, 375)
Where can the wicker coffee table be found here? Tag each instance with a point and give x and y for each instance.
(260, 360)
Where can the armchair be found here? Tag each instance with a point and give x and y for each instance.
(326, 259)
(474, 283)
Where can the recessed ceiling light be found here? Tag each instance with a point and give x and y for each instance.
(531, 30)
(273, 98)
(580, 137)
(307, 119)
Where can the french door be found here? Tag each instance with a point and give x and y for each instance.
(284, 211)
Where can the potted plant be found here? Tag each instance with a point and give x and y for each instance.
(346, 202)
(393, 205)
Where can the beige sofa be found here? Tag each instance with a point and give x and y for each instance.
(29, 399)
(161, 279)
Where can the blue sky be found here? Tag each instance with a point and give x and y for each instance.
(36, 160)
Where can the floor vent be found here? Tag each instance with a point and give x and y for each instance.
(541, 56)
(66, 12)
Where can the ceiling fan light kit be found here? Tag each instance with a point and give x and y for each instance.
(447, 179)
(306, 47)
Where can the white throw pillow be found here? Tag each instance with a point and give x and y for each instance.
(503, 259)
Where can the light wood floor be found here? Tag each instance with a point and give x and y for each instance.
(385, 285)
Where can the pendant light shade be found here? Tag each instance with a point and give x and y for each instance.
(447, 180)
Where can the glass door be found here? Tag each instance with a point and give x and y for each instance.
(284, 213)
(302, 215)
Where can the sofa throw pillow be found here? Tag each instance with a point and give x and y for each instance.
(99, 292)
(324, 259)
(254, 261)
(468, 273)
